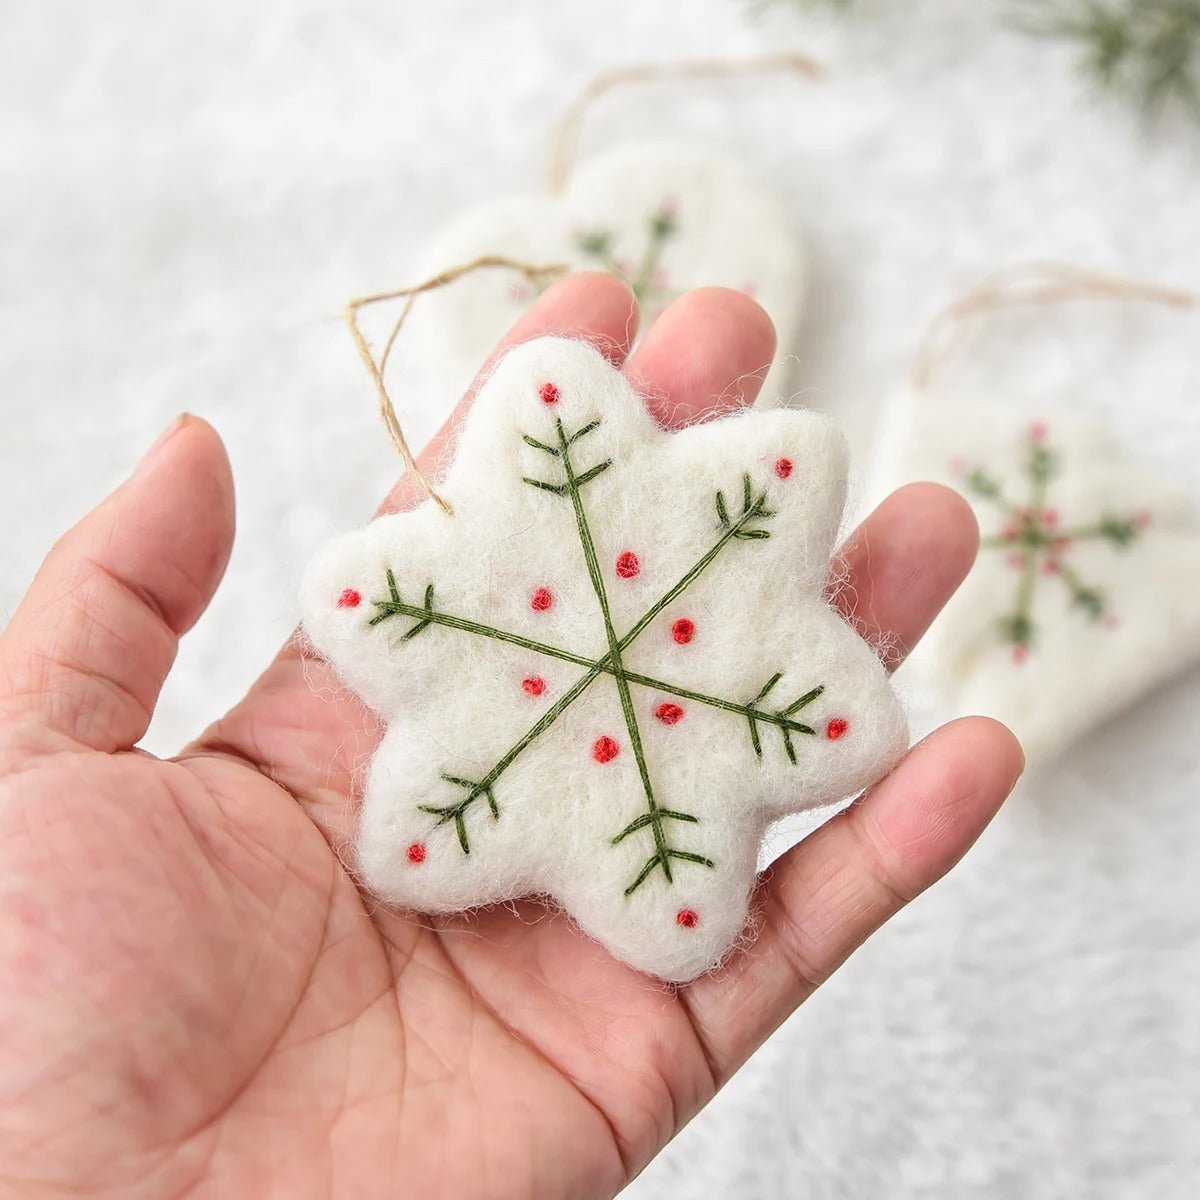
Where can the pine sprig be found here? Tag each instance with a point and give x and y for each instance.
(1147, 50)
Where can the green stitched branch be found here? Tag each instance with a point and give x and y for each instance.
(427, 615)
(663, 852)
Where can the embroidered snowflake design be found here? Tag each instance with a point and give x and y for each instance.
(1038, 546)
(611, 668)
(647, 279)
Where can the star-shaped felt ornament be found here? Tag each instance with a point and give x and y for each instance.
(1083, 595)
(662, 216)
(611, 667)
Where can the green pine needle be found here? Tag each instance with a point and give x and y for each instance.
(1146, 50)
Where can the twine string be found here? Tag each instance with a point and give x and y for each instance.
(1029, 284)
(564, 145)
(376, 367)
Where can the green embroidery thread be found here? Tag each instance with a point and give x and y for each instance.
(1037, 545)
(746, 527)
(646, 278)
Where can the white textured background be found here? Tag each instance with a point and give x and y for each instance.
(188, 192)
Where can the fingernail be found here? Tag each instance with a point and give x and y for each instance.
(164, 437)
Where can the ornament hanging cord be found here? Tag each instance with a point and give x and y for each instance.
(564, 144)
(1034, 283)
(376, 368)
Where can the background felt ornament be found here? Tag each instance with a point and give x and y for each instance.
(1084, 593)
(611, 668)
(665, 217)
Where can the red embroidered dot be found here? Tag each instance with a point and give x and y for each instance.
(1050, 567)
(549, 393)
(669, 714)
(1037, 431)
(535, 685)
(627, 564)
(836, 728)
(1110, 621)
(1016, 559)
(541, 600)
(783, 468)
(349, 599)
(416, 853)
(1142, 519)
(1049, 516)
(682, 630)
(605, 749)
(1020, 654)
(689, 918)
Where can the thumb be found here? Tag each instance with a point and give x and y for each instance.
(89, 647)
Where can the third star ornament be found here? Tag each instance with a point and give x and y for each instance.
(611, 668)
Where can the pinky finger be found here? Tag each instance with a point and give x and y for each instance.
(827, 895)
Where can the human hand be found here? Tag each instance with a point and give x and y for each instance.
(194, 996)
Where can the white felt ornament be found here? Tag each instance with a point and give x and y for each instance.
(611, 668)
(665, 217)
(1083, 596)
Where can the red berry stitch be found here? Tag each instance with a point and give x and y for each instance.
(549, 393)
(783, 468)
(541, 600)
(627, 564)
(689, 918)
(535, 685)
(416, 853)
(668, 713)
(605, 749)
(682, 630)
(349, 599)
(836, 728)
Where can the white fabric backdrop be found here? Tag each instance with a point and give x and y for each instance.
(189, 192)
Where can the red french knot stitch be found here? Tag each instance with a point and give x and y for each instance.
(1142, 519)
(689, 918)
(836, 728)
(627, 564)
(1037, 431)
(549, 393)
(535, 685)
(682, 630)
(668, 713)
(605, 749)
(541, 600)
(783, 468)
(1020, 654)
(1050, 566)
(349, 599)
(416, 853)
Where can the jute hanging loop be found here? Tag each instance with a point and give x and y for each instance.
(537, 275)
(1035, 283)
(565, 141)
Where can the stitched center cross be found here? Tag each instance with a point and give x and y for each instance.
(748, 526)
(1038, 545)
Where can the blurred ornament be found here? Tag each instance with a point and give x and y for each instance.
(665, 217)
(1083, 597)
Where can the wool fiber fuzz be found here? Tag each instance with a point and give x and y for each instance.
(1083, 597)
(665, 217)
(611, 668)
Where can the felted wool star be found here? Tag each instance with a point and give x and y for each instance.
(664, 217)
(611, 668)
(1083, 595)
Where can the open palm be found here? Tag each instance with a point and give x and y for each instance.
(196, 999)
